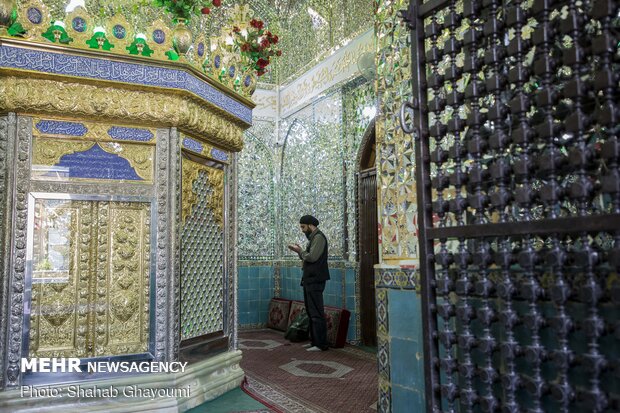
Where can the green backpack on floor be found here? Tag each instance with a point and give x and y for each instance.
(298, 330)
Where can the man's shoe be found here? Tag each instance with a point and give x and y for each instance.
(307, 345)
(314, 348)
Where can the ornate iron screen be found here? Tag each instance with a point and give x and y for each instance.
(515, 110)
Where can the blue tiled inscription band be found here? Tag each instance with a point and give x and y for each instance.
(134, 73)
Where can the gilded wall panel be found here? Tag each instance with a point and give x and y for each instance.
(91, 272)
(60, 279)
(125, 272)
(202, 251)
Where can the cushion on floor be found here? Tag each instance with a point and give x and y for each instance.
(279, 309)
(337, 322)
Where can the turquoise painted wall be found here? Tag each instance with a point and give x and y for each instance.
(257, 286)
(406, 350)
(255, 289)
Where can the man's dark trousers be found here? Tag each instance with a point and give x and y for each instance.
(313, 299)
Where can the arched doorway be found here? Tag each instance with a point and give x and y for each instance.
(368, 251)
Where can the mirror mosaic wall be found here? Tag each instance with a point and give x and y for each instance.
(257, 195)
(308, 166)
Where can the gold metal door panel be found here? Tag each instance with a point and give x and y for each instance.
(122, 294)
(59, 316)
(90, 279)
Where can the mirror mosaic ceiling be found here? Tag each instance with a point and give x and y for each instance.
(309, 29)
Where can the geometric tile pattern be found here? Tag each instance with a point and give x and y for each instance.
(398, 278)
(316, 368)
(245, 344)
(202, 281)
(383, 352)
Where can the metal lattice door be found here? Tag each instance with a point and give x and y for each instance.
(515, 111)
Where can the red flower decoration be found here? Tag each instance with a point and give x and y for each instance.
(217, 3)
(256, 23)
(205, 10)
(256, 45)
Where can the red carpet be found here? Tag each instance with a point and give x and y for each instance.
(289, 379)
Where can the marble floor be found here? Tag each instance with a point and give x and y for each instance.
(233, 401)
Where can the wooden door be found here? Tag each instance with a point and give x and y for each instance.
(368, 254)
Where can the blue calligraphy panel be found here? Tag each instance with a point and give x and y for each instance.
(219, 155)
(192, 145)
(57, 127)
(130, 134)
(134, 73)
(95, 163)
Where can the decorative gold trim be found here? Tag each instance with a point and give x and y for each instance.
(114, 104)
(160, 49)
(47, 152)
(190, 173)
(206, 149)
(33, 31)
(140, 157)
(120, 45)
(215, 176)
(79, 38)
(198, 61)
(216, 200)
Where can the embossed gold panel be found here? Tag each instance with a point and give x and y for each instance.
(90, 278)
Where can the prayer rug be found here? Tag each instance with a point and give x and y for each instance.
(288, 379)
